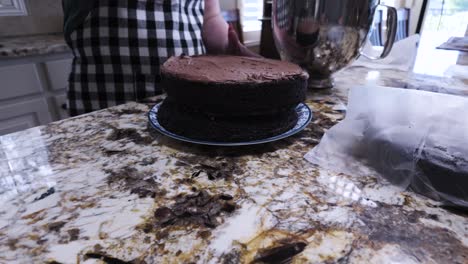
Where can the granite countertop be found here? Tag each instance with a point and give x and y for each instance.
(21, 46)
(104, 187)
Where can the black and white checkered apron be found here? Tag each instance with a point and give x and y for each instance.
(119, 48)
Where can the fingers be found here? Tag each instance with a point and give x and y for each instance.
(235, 47)
(233, 41)
(244, 51)
(215, 35)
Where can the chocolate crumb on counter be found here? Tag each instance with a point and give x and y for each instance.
(137, 182)
(74, 234)
(49, 192)
(107, 259)
(55, 226)
(280, 254)
(199, 209)
(130, 134)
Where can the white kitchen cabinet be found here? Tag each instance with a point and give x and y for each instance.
(57, 73)
(23, 115)
(19, 80)
(60, 104)
(13, 8)
(33, 94)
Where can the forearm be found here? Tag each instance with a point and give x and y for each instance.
(215, 28)
(217, 36)
(212, 9)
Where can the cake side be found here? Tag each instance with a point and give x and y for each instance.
(237, 98)
(202, 126)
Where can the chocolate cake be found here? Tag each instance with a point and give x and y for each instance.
(230, 98)
(436, 167)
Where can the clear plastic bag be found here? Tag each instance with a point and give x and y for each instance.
(414, 139)
(401, 57)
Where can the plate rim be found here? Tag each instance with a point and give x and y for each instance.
(283, 135)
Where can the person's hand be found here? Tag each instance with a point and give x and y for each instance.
(218, 36)
(235, 47)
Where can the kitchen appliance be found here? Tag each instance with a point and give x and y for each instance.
(323, 36)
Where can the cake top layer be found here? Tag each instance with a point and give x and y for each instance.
(220, 69)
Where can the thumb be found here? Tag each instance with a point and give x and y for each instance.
(235, 47)
(234, 44)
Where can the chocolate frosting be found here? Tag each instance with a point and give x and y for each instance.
(208, 68)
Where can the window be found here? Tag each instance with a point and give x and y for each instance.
(251, 13)
(443, 19)
(448, 17)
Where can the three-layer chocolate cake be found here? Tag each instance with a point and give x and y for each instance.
(230, 98)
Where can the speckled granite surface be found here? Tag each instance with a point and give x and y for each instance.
(15, 47)
(104, 187)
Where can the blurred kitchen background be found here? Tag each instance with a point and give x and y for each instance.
(35, 62)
